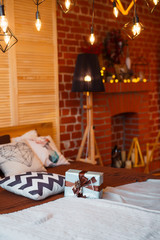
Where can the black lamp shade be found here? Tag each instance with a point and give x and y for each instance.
(87, 77)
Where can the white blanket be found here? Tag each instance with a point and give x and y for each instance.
(143, 194)
(81, 219)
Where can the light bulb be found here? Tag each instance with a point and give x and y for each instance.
(6, 38)
(155, 2)
(67, 4)
(38, 24)
(92, 38)
(87, 78)
(136, 29)
(3, 23)
(115, 12)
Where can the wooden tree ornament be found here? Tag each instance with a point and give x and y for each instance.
(138, 158)
(150, 149)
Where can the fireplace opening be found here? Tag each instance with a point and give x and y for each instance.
(124, 128)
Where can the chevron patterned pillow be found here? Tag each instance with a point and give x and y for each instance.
(34, 185)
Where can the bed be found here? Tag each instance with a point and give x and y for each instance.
(119, 215)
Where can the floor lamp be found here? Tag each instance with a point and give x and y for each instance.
(87, 79)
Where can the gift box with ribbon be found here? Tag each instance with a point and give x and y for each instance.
(83, 184)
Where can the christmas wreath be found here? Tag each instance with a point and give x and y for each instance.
(113, 47)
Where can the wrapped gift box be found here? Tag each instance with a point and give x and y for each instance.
(83, 184)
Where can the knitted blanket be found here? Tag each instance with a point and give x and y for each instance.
(72, 218)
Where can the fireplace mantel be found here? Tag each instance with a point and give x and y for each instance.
(124, 111)
(128, 87)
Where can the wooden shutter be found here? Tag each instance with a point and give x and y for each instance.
(34, 86)
(5, 114)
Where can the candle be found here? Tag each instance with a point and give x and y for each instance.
(145, 159)
(133, 157)
(123, 155)
(128, 164)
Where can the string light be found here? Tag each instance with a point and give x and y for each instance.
(67, 4)
(38, 22)
(7, 38)
(115, 9)
(134, 28)
(155, 2)
(152, 4)
(92, 36)
(3, 19)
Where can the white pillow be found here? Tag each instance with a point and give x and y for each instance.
(47, 151)
(34, 185)
(18, 158)
(27, 135)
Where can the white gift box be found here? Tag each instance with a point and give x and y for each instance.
(83, 184)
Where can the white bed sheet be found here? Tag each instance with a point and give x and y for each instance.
(144, 194)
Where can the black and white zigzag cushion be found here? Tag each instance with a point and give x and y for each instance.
(34, 185)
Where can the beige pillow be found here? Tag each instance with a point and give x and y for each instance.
(30, 134)
(46, 150)
(16, 158)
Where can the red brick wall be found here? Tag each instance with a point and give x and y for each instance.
(73, 30)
